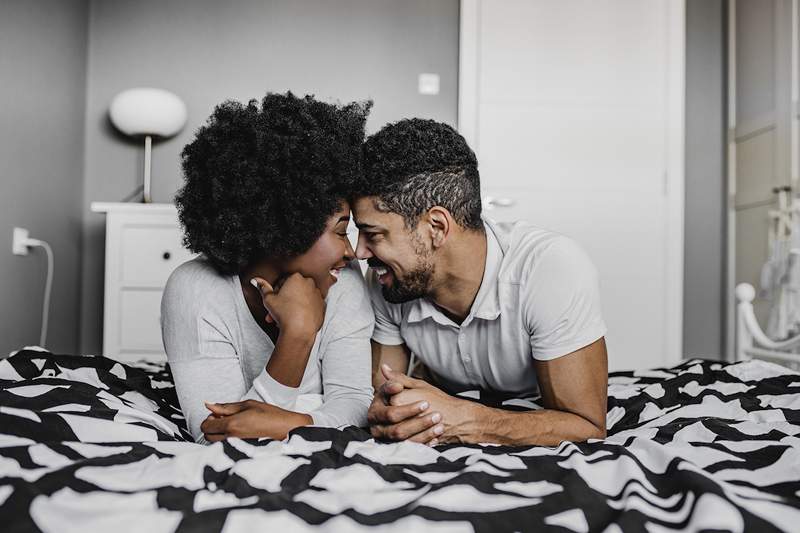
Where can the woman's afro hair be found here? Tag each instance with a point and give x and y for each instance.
(262, 180)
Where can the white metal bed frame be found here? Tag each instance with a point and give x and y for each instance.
(752, 342)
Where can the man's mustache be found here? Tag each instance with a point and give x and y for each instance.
(375, 263)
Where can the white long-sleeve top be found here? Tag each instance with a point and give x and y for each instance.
(218, 353)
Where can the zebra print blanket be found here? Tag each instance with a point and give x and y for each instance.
(88, 444)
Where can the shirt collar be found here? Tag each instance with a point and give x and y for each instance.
(486, 304)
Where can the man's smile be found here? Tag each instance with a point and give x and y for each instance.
(384, 273)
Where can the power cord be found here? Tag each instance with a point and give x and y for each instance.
(21, 243)
(48, 286)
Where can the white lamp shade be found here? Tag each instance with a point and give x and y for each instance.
(148, 111)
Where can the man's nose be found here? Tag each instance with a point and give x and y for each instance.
(362, 251)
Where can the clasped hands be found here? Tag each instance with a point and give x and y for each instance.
(405, 408)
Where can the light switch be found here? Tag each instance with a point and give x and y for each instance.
(428, 83)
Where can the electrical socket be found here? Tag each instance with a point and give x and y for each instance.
(19, 244)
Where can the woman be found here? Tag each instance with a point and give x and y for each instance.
(272, 313)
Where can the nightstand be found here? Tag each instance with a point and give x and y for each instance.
(143, 247)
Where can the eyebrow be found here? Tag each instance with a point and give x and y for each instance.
(367, 226)
(345, 218)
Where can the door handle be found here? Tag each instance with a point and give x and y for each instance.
(491, 202)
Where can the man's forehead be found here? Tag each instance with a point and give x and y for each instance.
(366, 215)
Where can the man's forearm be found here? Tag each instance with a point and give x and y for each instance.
(545, 427)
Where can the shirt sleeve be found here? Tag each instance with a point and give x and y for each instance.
(562, 301)
(201, 376)
(387, 322)
(346, 358)
(203, 358)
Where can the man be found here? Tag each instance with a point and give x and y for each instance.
(501, 307)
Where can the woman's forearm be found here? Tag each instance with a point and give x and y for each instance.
(287, 364)
(288, 420)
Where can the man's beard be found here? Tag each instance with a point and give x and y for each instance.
(416, 283)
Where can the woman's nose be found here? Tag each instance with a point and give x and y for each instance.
(349, 254)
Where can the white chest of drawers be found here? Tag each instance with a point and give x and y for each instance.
(143, 247)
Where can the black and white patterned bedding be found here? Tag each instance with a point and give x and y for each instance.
(88, 444)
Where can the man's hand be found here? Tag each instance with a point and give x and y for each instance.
(296, 305)
(459, 417)
(573, 389)
(413, 421)
(250, 419)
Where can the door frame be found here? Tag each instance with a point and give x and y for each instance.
(674, 184)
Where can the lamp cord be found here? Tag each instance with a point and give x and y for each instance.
(47, 287)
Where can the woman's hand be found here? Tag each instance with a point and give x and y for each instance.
(296, 305)
(250, 419)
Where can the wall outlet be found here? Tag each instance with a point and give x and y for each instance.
(19, 244)
(428, 84)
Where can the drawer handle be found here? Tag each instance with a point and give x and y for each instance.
(166, 256)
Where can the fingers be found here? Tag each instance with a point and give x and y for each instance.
(390, 388)
(214, 425)
(387, 372)
(408, 396)
(262, 285)
(265, 289)
(399, 377)
(385, 415)
(214, 437)
(430, 436)
(225, 409)
(420, 428)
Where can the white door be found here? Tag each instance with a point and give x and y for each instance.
(761, 154)
(575, 110)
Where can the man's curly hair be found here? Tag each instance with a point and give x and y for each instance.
(262, 180)
(415, 164)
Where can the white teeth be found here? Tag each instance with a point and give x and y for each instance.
(380, 270)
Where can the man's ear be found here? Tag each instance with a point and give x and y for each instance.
(441, 224)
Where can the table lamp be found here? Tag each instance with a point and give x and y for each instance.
(150, 113)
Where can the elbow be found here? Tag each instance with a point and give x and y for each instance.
(598, 431)
(345, 410)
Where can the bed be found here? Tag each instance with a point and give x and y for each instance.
(90, 444)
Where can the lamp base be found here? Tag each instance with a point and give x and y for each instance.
(148, 146)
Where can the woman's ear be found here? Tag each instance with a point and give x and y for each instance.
(441, 224)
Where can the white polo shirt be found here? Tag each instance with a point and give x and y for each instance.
(539, 299)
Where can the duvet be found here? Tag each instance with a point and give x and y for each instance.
(89, 444)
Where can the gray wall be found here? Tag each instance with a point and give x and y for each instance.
(704, 245)
(207, 51)
(42, 95)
